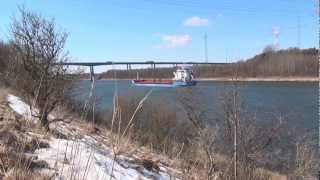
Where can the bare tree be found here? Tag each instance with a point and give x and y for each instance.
(249, 137)
(38, 47)
(205, 135)
(306, 158)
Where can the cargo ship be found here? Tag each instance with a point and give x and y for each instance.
(183, 76)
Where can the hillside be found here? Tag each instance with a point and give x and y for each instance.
(71, 150)
(290, 62)
(75, 150)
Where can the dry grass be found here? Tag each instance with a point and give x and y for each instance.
(16, 145)
(3, 94)
(276, 176)
(155, 132)
(149, 133)
(13, 138)
(22, 174)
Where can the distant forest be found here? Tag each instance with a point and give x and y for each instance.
(292, 62)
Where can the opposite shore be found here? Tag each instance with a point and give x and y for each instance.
(244, 79)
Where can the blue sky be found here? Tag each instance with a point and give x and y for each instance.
(173, 29)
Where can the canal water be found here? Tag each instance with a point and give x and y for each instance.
(294, 102)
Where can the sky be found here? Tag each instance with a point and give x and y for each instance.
(168, 30)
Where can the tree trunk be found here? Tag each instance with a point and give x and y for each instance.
(44, 120)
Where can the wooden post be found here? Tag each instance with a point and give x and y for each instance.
(154, 68)
(235, 116)
(92, 93)
(129, 69)
(91, 73)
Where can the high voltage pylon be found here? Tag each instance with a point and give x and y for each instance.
(299, 32)
(205, 48)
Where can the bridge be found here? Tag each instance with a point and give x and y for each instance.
(137, 63)
(128, 64)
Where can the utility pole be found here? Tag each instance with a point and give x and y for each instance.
(299, 32)
(205, 48)
(226, 55)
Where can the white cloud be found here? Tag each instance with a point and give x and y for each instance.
(196, 21)
(174, 40)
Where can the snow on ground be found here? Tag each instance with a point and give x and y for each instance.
(19, 106)
(85, 158)
(82, 159)
(22, 108)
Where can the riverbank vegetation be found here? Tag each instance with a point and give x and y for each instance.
(231, 145)
(207, 149)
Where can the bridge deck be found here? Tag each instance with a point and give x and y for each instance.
(137, 63)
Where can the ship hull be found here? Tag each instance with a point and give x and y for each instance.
(163, 83)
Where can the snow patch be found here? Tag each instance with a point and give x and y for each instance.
(82, 159)
(20, 107)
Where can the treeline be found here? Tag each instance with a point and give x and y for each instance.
(289, 62)
(292, 62)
